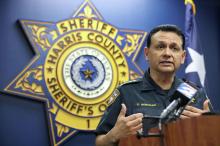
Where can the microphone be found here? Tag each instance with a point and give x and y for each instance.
(182, 96)
(171, 107)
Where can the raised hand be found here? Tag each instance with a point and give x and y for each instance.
(191, 111)
(126, 126)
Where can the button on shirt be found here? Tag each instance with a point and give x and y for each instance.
(142, 96)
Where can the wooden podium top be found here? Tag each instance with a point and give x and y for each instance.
(198, 131)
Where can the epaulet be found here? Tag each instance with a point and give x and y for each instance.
(131, 81)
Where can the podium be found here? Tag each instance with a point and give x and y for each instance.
(198, 131)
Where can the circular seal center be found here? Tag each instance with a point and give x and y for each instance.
(87, 72)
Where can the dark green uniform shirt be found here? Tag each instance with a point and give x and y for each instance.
(142, 96)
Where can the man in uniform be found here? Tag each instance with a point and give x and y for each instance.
(150, 95)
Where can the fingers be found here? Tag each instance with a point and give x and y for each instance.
(187, 113)
(183, 117)
(133, 125)
(191, 111)
(135, 116)
(127, 125)
(206, 105)
(137, 128)
(136, 121)
(123, 111)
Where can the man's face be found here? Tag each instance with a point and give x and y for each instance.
(165, 53)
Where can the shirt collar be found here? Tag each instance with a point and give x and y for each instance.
(149, 84)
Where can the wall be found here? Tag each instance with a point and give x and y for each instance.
(23, 121)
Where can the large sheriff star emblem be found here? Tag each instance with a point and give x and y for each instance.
(78, 64)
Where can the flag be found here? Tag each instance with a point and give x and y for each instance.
(195, 65)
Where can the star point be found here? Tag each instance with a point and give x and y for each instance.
(197, 65)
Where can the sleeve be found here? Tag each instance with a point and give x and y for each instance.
(110, 116)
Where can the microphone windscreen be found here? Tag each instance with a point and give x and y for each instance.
(185, 92)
